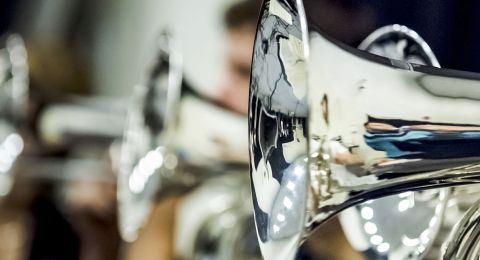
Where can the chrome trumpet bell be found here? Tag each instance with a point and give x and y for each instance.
(13, 106)
(278, 128)
(146, 150)
(331, 127)
(14, 79)
(228, 230)
(373, 227)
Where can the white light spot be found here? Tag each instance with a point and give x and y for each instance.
(405, 194)
(383, 247)
(136, 182)
(287, 203)
(370, 228)
(410, 241)
(403, 205)
(291, 186)
(281, 217)
(376, 239)
(13, 144)
(299, 170)
(276, 229)
(367, 213)
(421, 248)
(433, 221)
(424, 237)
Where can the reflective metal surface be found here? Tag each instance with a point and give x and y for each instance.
(376, 127)
(278, 130)
(463, 240)
(373, 227)
(146, 151)
(13, 106)
(228, 229)
(154, 161)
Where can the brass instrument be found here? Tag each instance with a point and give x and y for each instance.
(155, 163)
(331, 127)
(421, 213)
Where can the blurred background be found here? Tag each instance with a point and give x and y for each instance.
(91, 53)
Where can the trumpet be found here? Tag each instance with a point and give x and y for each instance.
(331, 127)
(156, 160)
(422, 212)
(57, 125)
(13, 106)
(148, 131)
(223, 226)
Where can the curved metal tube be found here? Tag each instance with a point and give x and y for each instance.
(421, 213)
(228, 233)
(331, 127)
(463, 241)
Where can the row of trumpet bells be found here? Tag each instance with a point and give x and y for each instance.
(378, 135)
(151, 166)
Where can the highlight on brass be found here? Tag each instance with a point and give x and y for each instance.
(239, 130)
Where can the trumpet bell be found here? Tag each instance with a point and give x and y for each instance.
(372, 227)
(13, 106)
(14, 80)
(146, 153)
(331, 127)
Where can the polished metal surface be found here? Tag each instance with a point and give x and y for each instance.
(373, 227)
(146, 153)
(278, 129)
(13, 106)
(463, 242)
(227, 230)
(331, 127)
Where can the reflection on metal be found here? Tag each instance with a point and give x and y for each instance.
(373, 227)
(463, 242)
(364, 126)
(146, 153)
(227, 230)
(14, 102)
(13, 106)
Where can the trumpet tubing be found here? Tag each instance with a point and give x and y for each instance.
(331, 127)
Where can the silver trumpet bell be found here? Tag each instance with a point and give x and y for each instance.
(331, 127)
(227, 230)
(13, 106)
(372, 227)
(14, 110)
(146, 154)
(154, 162)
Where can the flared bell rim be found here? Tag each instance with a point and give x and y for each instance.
(146, 155)
(273, 112)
